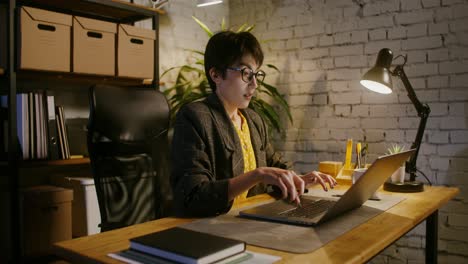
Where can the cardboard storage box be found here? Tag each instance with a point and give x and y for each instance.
(135, 52)
(93, 46)
(44, 40)
(46, 218)
(85, 207)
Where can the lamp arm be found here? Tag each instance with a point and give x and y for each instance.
(423, 112)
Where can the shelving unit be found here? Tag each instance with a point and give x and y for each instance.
(108, 10)
(114, 10)
(68, 162)
(79, 78)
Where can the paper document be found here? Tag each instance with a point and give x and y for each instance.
(247, 257)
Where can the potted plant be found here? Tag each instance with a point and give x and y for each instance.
(191, 85)
(399, 175)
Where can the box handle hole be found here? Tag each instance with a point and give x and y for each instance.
(46, 27)
(136, 41)
(94, 34)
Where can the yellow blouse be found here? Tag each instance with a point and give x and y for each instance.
(247, 152)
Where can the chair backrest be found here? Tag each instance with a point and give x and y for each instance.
(128, 148)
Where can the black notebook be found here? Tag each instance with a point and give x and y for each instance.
(187, 246)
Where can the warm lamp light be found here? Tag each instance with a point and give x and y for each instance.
(376, 87)
(378, 79)
(201, 3)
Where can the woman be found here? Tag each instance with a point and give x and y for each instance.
(220, 152)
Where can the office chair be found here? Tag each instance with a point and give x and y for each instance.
(128, 149)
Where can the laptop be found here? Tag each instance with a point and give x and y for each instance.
(316, 210)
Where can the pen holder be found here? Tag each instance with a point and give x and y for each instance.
(345, 175)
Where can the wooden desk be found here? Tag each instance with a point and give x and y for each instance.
(356, 246)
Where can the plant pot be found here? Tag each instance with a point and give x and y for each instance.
(399, 175)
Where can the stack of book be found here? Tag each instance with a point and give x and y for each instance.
(180, 245)
(43, 131)
(35, 137)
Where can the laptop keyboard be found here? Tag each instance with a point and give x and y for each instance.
(309, 208)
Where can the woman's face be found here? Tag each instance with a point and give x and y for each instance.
(233, 90)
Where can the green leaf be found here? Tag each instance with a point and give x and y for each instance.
(273, 67)
(223, 24)
(242, 27)
(268, 113)
(168, 70)
(200, 62)
(395, 148)
(188, 68)
(278, 98)
(249, 28)
(203, 26)
(196, 51)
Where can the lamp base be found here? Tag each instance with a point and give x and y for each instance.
(404, 187)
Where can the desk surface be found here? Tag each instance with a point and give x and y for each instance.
(356, 246)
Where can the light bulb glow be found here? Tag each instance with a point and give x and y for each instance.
(208, 3)
(376, 87)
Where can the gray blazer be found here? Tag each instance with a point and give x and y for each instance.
(206, 152)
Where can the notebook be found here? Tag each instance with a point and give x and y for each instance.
(316, 210)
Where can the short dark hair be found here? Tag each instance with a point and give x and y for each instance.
(226, 48)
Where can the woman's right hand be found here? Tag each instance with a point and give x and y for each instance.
(290, 184)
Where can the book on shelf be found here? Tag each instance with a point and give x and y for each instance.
(62, 131)
(187, 246)
(3, 132)
(52, 133)
(31, 153)
(40, 126)
(22, 117)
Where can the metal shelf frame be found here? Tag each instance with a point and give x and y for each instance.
(110, 10)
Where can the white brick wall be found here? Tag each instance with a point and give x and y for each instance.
(178, 32)
(332, 43)
(322, 48)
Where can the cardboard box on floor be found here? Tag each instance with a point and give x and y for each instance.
(135, 52)
(93, 46)
(44, 40)
(85, 207)
(46, 218)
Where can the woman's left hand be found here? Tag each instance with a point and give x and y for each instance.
(316, 177)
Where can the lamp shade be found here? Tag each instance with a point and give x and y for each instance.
(379, 78)
(201, 3)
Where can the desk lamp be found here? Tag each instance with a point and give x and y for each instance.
(201, 3)
(378, 79)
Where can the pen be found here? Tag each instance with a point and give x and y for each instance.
(349, 153)
(358, 154)
(364, 154)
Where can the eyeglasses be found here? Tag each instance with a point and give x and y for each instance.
(247, 74)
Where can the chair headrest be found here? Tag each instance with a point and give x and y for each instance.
(128, 114)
